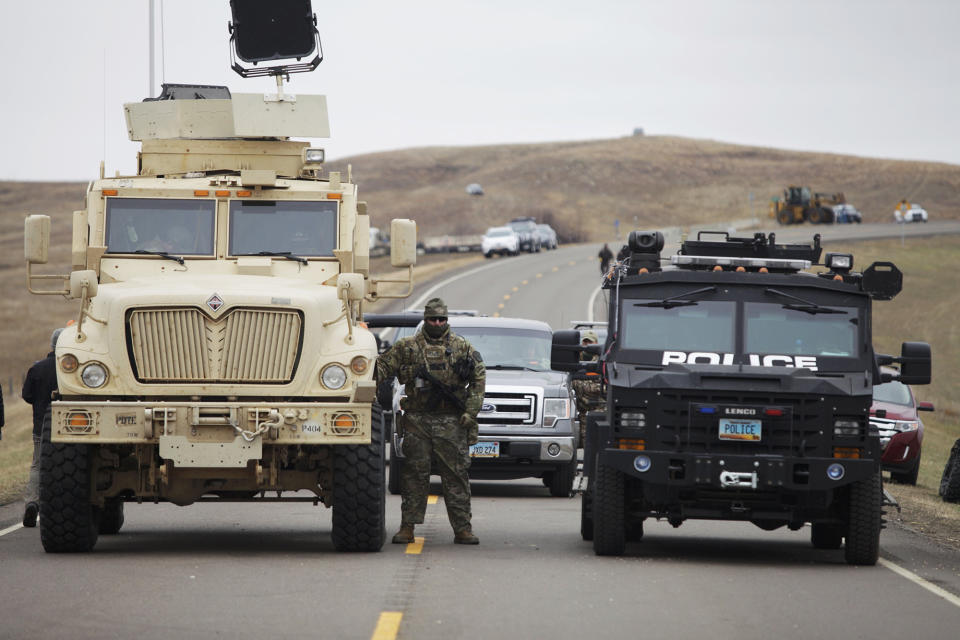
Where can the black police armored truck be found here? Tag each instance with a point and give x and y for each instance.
(738, 387)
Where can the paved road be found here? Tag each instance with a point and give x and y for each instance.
(255, 571)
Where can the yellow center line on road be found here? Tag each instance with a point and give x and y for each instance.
(572, 263)
(556, 269)
(432, 499)
(500, 306)
(387, 626)
(539, 275)
(416, 546)
(496, 314)
(506, 296)
(515, 289)
(525, 282)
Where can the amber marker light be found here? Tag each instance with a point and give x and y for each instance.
(764, 270)
(846, 452)
(244, 194)
(632, 444)
(109, 192)
(222, 194)
(740, 270)
(334, 196)
(78, 420)
(717, 268)
(359, 365)
(68, 363)
(202, 193)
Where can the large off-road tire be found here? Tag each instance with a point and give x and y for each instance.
(111, 517)
(561, 479)
(393, 474)
(68, 520)
(864, 520)
(609, 528)
(586, 516)
(950, 481)
(785, 216)
(826, 536)
(359, 498)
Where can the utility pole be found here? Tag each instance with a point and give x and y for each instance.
(153, 47)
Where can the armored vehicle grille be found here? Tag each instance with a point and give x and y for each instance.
(507, 408)
(185, 345)
(804, 429)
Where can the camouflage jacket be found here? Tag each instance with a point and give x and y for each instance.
(422, 364)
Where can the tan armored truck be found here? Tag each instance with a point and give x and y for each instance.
(219, 352)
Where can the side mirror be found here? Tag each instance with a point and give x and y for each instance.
(403, 243)
(915, 363)
(565, 351)
(36, 238)
(925, 406)
(80, 279)
(350, 287)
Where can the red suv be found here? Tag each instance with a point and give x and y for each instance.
(894, 415)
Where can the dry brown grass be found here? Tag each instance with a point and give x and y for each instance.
(582, 187)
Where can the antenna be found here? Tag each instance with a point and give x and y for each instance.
(273, 31)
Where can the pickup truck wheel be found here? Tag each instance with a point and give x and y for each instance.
(586, 516)
(907, 477)
(826, 536)
(609, 528)
(68, 520)
(111, 518)
(950, 481)
(561, 479)
(359, 499)
(864, 518)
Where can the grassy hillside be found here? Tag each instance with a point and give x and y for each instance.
(582, 187)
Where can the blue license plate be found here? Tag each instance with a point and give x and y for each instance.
(750, 430)
(485, 450)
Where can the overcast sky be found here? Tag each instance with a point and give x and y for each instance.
(874, 78)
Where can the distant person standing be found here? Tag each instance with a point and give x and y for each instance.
(605, 256)
(38, 391)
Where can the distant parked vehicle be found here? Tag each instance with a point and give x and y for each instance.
(846, 213)
(548, 237)
(529, 234)
(500, 240)
(912, 213)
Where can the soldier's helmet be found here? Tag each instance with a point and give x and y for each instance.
(436, 308)
(589, 335)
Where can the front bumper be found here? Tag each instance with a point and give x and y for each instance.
(210, 424)
(902, 452)
(736, 472)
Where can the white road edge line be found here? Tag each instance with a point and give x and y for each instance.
(593, 301)
(912, 577)
(4, 532)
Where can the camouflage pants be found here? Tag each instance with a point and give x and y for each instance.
(438, 441)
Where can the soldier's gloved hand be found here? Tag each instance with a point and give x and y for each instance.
(471, 428)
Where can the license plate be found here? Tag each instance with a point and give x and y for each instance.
(740, 430)
(485, 450)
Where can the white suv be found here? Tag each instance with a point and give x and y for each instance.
(502, 240)
(915, 213)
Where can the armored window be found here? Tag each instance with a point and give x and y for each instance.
(177, 227)
(705, 326)
(300, 228)
(772, 328)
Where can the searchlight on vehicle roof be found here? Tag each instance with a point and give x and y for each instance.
(276, 30)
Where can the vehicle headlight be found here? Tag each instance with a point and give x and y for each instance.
(633, 419)
(94, 375)
(846, 428)
(555, 409)
(906, 425)
(333, 376)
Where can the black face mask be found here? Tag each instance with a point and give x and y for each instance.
(435, 330)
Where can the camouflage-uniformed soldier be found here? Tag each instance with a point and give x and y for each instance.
(587, 387)
(444, 378)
